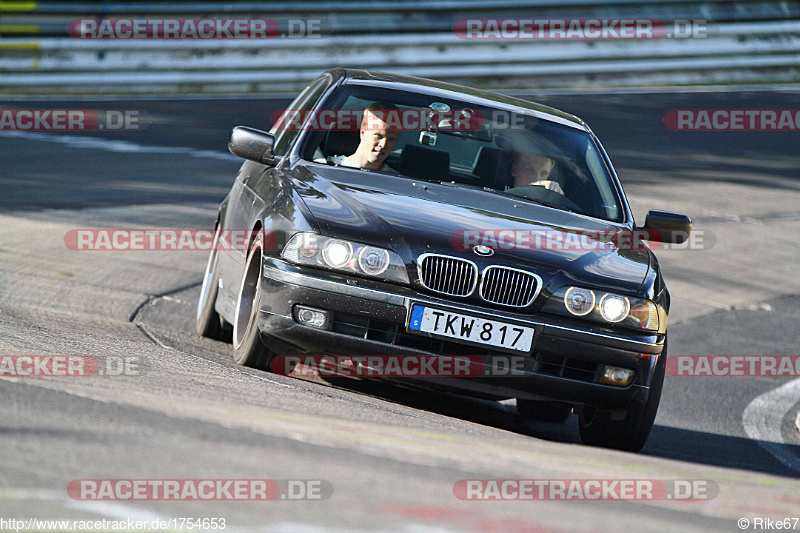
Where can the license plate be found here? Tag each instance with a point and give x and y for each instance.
(470, 328)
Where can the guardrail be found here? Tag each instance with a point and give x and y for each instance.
(402, 16)
(378, 36)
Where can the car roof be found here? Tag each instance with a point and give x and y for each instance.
(434, 87)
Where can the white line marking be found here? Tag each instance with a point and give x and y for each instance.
(762, 421)
(110, 145)
(124, 511)
(112, 510)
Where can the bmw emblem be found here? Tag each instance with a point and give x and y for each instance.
(483, 250)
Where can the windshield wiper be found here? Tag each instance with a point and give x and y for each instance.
(465, 185)
(503, 193)
(547, 204)
(540, 202)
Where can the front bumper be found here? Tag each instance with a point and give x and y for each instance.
(370, 319)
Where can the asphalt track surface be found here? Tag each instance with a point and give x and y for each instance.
(392, 457)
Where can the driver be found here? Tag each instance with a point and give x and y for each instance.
(531, 169)
(377, 140)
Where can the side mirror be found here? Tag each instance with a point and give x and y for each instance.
(663, 226)
(252, 144)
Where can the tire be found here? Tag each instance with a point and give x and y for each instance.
(248, 348)
(629, 434)
(208, 323)
(540, 411)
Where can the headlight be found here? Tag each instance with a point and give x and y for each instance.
(373, 261)
(604, 307)
(614, 308)
(579, 301)
(337, 253)
(345, 256)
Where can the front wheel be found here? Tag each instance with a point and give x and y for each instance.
(630, 434)
(207, 322)
(248, 348)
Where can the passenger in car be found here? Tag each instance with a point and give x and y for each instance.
(377, 140)
(532, 169)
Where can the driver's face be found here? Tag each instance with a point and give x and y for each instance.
(528, 168)
(378, 141)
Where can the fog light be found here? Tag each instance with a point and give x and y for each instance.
(614, 375)
(308, 316)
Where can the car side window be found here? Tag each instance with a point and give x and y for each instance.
(285, 136)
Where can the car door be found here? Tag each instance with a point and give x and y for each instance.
(245, 205)
(256, 187)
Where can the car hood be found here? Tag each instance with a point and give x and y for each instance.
(413, 217)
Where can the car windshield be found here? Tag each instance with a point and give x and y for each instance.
(463, 144)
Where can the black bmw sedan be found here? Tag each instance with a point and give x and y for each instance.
(390, 216)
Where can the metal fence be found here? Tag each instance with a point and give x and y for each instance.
(740, 42)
